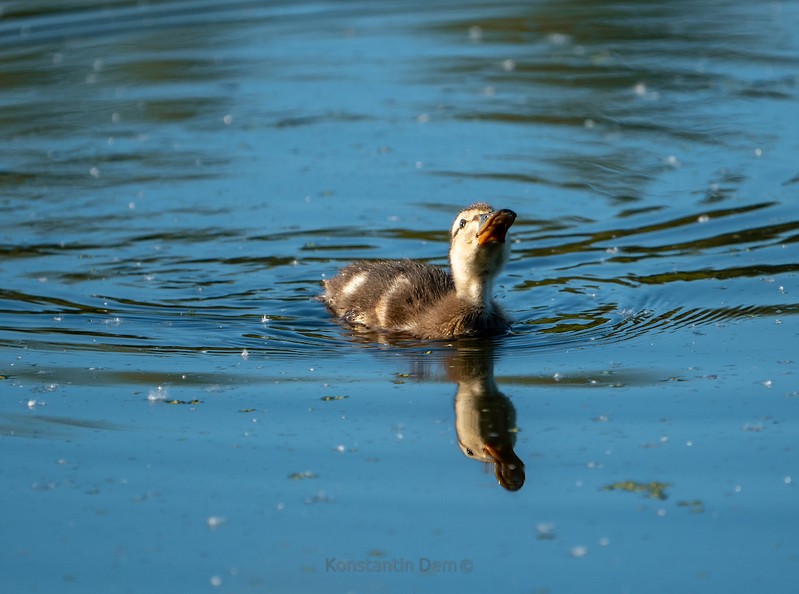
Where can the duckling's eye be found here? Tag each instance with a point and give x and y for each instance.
(462, 224)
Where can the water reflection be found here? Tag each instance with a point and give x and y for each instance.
(485, 419)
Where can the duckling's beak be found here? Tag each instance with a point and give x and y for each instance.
(508, 468)
(495, 226)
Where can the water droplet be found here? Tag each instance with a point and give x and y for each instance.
(157, 394)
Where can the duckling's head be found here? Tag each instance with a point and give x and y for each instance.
(478, 251)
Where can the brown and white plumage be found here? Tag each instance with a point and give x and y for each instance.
(425, 301)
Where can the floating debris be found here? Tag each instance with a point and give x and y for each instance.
(176, 401)
(695, 506)
(329, 398)
(246, 410)
(653, 489)
(320, 497)
(300, 476)
(545, 530)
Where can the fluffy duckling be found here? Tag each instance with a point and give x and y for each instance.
(425, 301)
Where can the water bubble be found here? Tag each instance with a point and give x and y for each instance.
(508, 65)
(245, 354)
(558, 38)
(475, 33)
(215, 522)
(579, 551)
(641, 90)
(227, 120)
(703, 218)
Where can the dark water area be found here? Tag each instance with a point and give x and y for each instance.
(179, 411)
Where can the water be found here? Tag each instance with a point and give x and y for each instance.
(178, 411)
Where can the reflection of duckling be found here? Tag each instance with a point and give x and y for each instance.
(485, 419)
(423, 300)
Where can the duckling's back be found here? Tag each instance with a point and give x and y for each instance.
(408, 297)
(386, 294)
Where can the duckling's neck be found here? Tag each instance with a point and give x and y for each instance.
(473, 275)
(474, 290)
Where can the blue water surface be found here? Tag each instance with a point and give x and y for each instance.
(179, 412)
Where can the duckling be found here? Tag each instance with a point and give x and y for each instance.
(424, 301)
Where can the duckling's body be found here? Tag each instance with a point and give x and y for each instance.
(423, 300)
